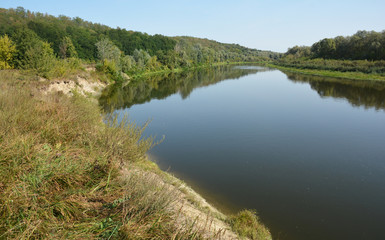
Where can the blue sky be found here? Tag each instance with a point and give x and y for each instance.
(263, 24)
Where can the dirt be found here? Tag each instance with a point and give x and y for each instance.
(191, 208)
(80, 85)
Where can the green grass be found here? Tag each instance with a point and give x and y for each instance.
(335, 74)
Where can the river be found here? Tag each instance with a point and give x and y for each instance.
(308, 153)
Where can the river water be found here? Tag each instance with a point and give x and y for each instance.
(308, 153)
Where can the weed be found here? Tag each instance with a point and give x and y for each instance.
(246, 224)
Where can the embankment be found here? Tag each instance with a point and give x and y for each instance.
(66, 174)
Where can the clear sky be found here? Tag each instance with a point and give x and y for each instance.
(263, 24)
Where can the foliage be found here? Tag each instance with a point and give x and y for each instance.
(363, 52)
(363, 66)
(7, 52)
(108, 51)
(74, 37)
(67, 48)
(334, 74)
(39, 57)
(141, 58)
(127, 63)
(64, 68)
(110, 69)
(25, 39)
(246, 224)
(362, 45)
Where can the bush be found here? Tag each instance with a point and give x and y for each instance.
(246, 224)
(7, 52)
(110, 69)
(40, 57)
(364, 66)
(64, 68)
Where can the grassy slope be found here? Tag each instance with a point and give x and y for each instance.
(64, 174)
(336, 74)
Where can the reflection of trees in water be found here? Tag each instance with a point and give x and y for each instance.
(370, 94)
(161, 86)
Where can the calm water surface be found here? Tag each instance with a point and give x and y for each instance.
(307, 153)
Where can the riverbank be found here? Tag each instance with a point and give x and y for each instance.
(329, 73)
(66, 174)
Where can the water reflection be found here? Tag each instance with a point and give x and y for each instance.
(369, 94)
(161, 86)
(312, 166)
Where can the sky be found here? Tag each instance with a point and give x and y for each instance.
(272, 25)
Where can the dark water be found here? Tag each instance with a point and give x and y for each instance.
(307, 153)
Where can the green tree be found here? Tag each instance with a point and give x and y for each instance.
(141, 58)
(24, 39)
(153, 63)
(298, 52)
(40, 57)
(326, 48)
(7, 52)
(127, 63)
(108, 51)
(67, 48)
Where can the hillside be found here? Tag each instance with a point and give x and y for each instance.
(172, 52)
(364, 45)
(360, 56)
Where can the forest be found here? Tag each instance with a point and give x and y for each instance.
(54, 45)
(361, 52)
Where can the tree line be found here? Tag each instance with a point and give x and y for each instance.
(47, 44)
(364, 45)
(362, 52)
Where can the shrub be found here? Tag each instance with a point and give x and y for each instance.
(246, 224)
(40, 57)
(7, 52)
(110, 69)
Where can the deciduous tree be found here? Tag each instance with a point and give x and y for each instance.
(7, 52)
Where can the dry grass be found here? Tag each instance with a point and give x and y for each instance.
(246, 224)
(66, 173)
(60, 172)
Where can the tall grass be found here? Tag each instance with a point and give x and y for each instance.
(61, 173)
(246, 223)
(68, 173)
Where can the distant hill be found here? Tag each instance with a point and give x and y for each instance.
(19, 23)
(235, 48)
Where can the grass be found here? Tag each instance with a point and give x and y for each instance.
(246, 224)
(69, 172)
(335, 74)
(60, 172)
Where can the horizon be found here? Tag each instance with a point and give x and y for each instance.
(284, 28)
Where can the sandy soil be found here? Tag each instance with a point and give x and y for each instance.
(81, 85)
(191, 208)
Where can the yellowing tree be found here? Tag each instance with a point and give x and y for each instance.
(7, 51)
